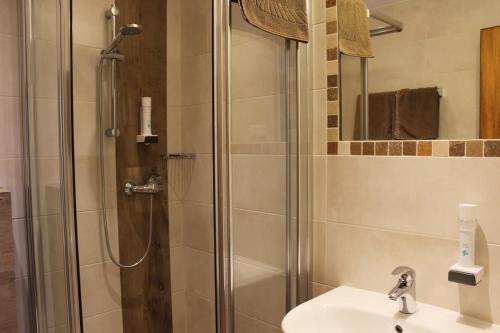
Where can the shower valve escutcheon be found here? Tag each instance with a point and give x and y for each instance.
(153, 185)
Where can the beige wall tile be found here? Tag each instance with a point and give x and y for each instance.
(441, 148)
(420, 195)
(46, 196)
(44, 21)
(200, 273)
(245, 324)
(174, 22)
(197, 128)
(90, 26)
(319, 252)
(259, 119)
(174, 81)
(91, 241)
(344, 148)
(100, 288)
(200, 315)
(331, 13)
(259, 183)
(319, 123)
(10, 127)
(198, 226)
(259, 293)
(198, 177)
(196, 79)
(45, 69)
(263, 72)
(196, 27)
(179, 312)
(260, 237)
(9, 65)
(318, 12)
(174, 129)
(109, 322)
(8, 17)
(177, 268)
(86, 134)
(319, 56)
(58, 329)
(48, 231)
(87, 184)
(453, 53)
(319, 188)
(85, 62)
(175, 223)
(46, 131)
(55, 299)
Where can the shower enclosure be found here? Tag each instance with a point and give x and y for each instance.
(215, 236)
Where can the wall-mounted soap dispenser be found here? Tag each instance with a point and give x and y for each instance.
(146, 135)
(465, 271)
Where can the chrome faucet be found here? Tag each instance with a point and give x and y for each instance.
(153, 185)
(404, 291)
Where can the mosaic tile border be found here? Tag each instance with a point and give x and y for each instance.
(332, 77)
(435, 148)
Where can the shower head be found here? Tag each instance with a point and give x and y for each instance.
(130, 29)
(125, 30)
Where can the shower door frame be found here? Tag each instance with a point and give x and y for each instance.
(298, 256)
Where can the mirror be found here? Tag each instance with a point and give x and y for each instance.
(435, 72)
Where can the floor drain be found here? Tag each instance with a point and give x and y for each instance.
(399, 329)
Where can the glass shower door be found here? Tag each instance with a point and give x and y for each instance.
(258, 121)
(263, 162)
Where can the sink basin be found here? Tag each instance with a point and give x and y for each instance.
(351, 310)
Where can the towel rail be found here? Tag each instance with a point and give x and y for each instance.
(393, 24)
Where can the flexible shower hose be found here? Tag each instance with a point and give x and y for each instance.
(103, 188)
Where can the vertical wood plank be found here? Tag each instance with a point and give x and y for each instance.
(490, 83)
(146, 298)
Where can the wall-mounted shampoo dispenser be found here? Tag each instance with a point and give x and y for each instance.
(465, 271)
(146, 135)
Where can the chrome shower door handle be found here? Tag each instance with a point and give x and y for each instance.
(153, 185)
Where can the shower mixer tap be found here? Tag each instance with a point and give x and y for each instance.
(153, 185)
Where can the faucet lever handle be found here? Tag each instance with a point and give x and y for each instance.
(404, 272)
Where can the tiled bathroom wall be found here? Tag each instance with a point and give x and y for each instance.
(190, 182)
(372, 214)
(11, 145)
(100, 279)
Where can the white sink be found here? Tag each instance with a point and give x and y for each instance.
(350, 310)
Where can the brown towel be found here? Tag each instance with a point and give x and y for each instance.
(381, 113)
(417, 114)
(286, 18)
(354, 32)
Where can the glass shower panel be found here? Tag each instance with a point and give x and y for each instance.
(42, 154)
(259, 121)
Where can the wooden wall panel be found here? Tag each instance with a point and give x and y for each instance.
(146, 297)
(8, 322)
(490, 83)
